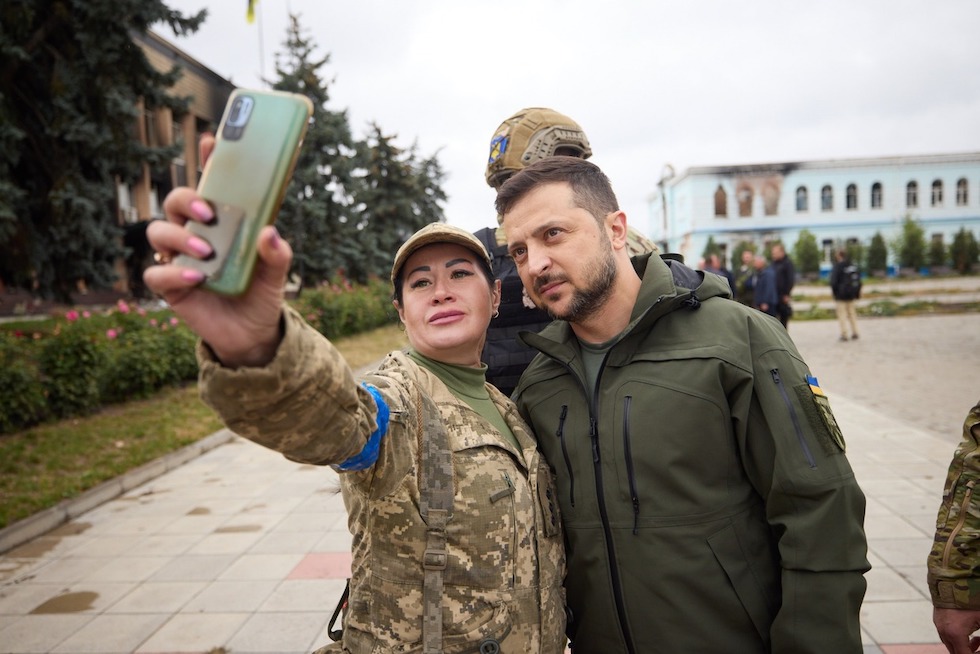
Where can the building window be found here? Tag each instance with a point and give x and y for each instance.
(745, 196)
(852, 196)
(827, 250)
(937, 193)
(876, 195)
(770, 198)
(962, 196)
(802, 201)
(912, 194)
(826, 198)
(721, 203)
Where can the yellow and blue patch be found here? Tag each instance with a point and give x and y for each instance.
(498, 146)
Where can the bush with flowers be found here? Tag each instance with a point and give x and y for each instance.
(340, 308)
(77, 362)
(81, 360)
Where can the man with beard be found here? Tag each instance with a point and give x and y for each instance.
(707, 502)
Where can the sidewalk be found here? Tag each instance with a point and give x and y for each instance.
(240, 550)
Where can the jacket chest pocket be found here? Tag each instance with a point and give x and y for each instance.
(494, 519)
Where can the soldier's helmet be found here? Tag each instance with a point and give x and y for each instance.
(529, 135)
(536, 133)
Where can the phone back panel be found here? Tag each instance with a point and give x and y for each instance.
(245, 179)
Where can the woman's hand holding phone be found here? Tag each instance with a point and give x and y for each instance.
(242, 330)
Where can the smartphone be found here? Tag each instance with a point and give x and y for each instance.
(245, 179)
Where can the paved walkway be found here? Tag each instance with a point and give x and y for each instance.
(239, 550)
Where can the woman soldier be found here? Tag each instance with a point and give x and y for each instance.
(457, 543)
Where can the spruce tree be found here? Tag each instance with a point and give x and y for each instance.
(877, 254)
(71, 78)
(397, 195)
(806, 253)
(315, 214)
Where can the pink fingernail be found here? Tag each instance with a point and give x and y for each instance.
(200, 246)
(274, 239)
(202, 210)
(189, 275)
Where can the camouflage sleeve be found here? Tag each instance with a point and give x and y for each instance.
(305, 403)
(954, 561)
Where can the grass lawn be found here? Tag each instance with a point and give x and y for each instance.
(56, 461)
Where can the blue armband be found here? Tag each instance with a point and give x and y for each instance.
(369, 454)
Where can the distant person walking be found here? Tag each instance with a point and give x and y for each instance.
(714, 265)
(845, 284)
(763, 286)
(785, 273)
(743, 278)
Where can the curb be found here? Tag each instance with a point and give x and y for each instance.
(40, 523)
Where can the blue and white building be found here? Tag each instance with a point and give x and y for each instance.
(840, 201)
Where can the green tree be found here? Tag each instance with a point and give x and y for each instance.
(855, 251)
(910, 244)
(806, 253)
(877, 254)
(938, 254)
(71, 80)
(397, 195)
(315, 210)
(710, 248)
(964, 251)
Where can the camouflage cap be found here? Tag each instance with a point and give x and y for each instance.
(437, 233)
(529, 135)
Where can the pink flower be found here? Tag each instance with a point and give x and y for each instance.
(122, 306)
(153, 322)
(111, 334)
(141, 311)
(71, 316)
(86, 314)
(174, 322)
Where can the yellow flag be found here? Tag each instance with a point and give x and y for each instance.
(250, 16)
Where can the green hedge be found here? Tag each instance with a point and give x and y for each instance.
(340, 308)
(76, 363)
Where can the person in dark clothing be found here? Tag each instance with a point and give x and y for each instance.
(845, 285)
(714, 265)
(743, 279)
(763, 284)
(700, 469)
(782, 266)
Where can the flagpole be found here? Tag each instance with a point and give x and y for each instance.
(261, 48)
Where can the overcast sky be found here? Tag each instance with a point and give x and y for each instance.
(685, 83)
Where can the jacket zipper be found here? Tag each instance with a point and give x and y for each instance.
(964, 507)
(796, 420)
(634, 497)
(564, 453)
(604, 515)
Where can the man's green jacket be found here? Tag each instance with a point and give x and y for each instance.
(706, 497)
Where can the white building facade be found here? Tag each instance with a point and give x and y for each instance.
(839, 201)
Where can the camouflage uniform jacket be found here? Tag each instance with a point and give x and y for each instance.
(954, 562)
(504, 541)
(707, 502)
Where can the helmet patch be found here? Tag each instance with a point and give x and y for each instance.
(498, 146)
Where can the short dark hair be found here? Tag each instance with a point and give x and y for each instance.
(591, 189)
